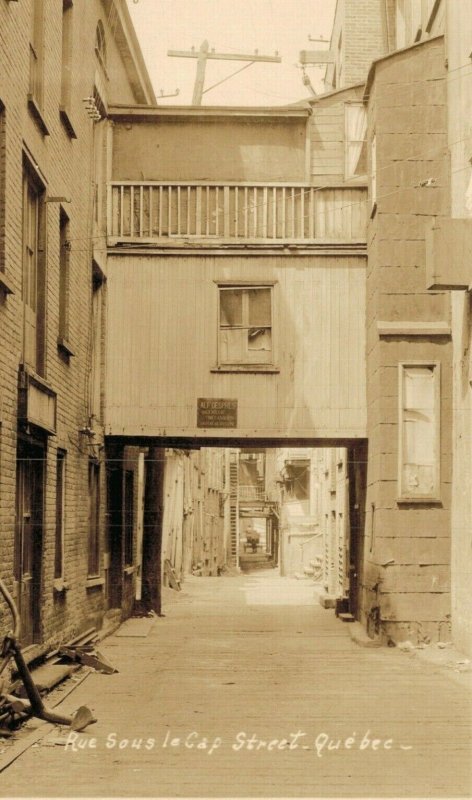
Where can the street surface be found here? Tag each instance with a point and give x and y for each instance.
(247, 687)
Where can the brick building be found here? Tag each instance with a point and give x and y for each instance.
(61, 63)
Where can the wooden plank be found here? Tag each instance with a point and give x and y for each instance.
(198, 211)
(151, 211)
(226, 201)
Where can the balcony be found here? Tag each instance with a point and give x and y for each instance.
(207, 214)
(251, 493)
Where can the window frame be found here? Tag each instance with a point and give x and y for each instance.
(36, 65)
(435, 495)
(97, 375)
(373, 174)
(31, 181)
(61, 484)
(101, 45)
(348, 141)
(67, 37)
(247, 366)
(5, 284)
(63, 341)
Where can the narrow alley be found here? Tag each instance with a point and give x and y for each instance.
(247, 687)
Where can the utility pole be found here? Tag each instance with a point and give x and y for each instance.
(204, 53)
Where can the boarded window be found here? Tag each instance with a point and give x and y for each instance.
(245, 325)
(419, 431)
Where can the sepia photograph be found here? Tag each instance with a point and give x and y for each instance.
(236, 399)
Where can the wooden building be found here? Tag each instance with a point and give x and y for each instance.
(236, 274)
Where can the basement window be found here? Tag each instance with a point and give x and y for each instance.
(419, 432)
(245, 331)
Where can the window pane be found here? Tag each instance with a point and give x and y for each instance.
(233, 345)
(259, 339)
(231, 307)
(419, 431)
(259, 306)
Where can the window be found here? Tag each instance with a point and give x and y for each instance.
(100, 44)
(4, 283)
(419, 432)
(355, 126)
(373, 173)
(60, 514)
(36, 76)
(34, 270)
(93, 519)
(66, 67)
(64, 278)
(97, 343)
(245, 325)
(407, 22)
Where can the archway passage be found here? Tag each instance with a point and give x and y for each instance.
(207, 508)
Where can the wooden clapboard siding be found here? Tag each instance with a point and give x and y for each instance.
(162, 346)
(327, 136)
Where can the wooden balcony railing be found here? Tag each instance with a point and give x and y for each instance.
(163, 213)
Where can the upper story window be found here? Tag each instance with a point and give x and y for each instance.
(66, 67)
(34, 270)
(245, 334)
(36, 76)
(355, 120)
(419, 431)
(373, 173)
(408, 14)
(101, 44)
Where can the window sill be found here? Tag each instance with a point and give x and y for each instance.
(91, 583)
(432, 501)
(60, 586)
(255, 368)
(5, 285)
(129, 570)
(67, 122)
(37, 114)
(64, 346)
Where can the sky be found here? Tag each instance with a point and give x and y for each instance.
(232, 26)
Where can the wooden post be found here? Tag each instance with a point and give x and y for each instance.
(152, 529)
(200, 76)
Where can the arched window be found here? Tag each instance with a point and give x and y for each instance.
(100, 43)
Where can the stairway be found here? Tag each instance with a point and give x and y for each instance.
(252, 561)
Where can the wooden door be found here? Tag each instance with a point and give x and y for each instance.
(28, 541)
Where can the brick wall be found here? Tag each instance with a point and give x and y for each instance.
(66, 167)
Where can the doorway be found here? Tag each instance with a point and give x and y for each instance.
(29, 538)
